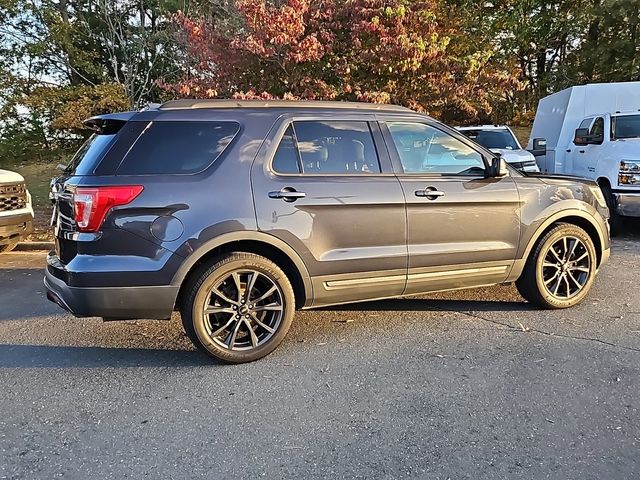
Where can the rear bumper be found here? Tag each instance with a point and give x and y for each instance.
(627, 204)
(112, 303)
(15, 227)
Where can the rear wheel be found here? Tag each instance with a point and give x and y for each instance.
(238, 308)
(560, 270)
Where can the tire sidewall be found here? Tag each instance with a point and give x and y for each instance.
(544, 248)
(216, 275)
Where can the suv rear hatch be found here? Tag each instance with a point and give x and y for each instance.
(97, 156)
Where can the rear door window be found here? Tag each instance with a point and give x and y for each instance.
(327, 147)
(166, 148)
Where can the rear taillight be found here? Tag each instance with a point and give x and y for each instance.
(91, 204)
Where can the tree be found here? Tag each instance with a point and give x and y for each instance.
(609, 46)
(65, 60)
(408, 52)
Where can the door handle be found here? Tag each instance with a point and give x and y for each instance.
(430, 192)
(288, 194)
(581, 151)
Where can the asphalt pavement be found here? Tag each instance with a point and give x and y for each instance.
(463, 385)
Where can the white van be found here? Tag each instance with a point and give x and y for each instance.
(593, 131)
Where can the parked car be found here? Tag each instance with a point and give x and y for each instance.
(593, 131)
(237, 213)
(501, 140)
(16, 212)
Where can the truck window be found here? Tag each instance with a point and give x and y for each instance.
(493, 139)
(598, 127)
(586, 123)
(625, 126)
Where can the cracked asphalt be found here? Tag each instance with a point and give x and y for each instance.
(465, 385)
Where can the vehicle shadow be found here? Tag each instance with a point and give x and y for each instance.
(51, 356)
(433, 305)
(631, 229)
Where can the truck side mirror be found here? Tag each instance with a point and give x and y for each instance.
(539, 147)
(581, 137)
(540, 144)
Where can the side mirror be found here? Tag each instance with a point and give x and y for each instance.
(498, 168)
(540, 144)
(581, 137)
(539, 147)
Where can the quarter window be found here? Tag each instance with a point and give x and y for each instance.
(177, 147)
(287, 159)
(425, 149)
(327, 147)
(586, 123)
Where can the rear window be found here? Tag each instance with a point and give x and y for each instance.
(89, 154)
(177, 147)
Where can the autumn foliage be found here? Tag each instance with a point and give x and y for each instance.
(413, 53)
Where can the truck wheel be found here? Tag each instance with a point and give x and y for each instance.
(615, 220)
(7, 248)
(561, 268)
(238, 308)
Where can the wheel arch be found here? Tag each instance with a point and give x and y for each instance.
(258, 243)
(603, 181)
(574, 217)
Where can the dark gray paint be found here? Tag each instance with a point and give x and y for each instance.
(351, 238)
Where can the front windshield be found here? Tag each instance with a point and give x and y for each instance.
(625, 126)
(493, 139)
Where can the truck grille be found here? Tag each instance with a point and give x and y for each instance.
(12, 197)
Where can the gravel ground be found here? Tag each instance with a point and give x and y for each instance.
(465, 385)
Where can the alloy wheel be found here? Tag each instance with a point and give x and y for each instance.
(566, 267)
(243, 310)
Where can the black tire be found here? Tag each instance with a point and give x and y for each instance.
(219, 283)
(533, 285)
(615, 221)
(7, 248)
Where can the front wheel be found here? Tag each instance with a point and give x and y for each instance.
(238, 308)
(560, 271)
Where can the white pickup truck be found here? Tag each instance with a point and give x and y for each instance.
(593, 131)
(16, 211)
(500, 139)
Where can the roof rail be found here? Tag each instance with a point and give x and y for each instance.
(191, 103)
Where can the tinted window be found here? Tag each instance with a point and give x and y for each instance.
(89, 154)
(625, 126)
(177, 147)
(425, 149)
(333, 147)
(501, 139)
(286, 159)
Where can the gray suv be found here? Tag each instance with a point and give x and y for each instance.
(237, 213)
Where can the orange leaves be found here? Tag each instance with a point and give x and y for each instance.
(397, 51)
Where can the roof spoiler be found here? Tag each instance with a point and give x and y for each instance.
(108, 124)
